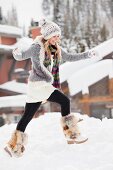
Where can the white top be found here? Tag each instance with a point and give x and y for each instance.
(39, 91)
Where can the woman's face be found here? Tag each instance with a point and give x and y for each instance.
(53, 40)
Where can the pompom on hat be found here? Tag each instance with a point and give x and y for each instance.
(49, 29)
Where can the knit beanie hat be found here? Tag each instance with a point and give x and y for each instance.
(49, 29)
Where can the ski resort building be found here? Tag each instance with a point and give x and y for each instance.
(10, 69)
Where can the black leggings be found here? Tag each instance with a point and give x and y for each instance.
(31, 108)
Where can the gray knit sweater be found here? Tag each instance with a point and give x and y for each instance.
(36, 52)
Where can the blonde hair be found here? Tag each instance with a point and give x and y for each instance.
(47, 49)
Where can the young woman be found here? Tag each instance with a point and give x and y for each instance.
(44, 85)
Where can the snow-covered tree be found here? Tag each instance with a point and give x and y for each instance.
(1, 15)
(46, 5)
(12, 18)
(84, 24)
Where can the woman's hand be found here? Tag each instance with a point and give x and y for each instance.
(16, 51)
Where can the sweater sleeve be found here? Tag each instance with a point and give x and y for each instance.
(32, 51)
(75, 56)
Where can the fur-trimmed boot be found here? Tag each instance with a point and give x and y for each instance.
(71, 130)
(15, 146)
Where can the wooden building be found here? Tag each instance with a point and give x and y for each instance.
(96, 99)
(10, 69)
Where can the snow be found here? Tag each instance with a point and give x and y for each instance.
(14, 86)
(47, 148)
(67, 69)
(18, 70)
(77, 73)
(17, 100)
(24, 43)
(13, 101)
(104, 48)
(6, 29)
(81, 80)
(6, 47)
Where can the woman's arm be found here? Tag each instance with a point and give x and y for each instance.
(75, 56)
(33, 50)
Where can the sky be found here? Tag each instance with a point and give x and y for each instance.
(26, 9)
(47, 148)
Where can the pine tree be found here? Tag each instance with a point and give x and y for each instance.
(1, 15)
(84, 24)
(2, 18)
(12, 17)
(46, 4)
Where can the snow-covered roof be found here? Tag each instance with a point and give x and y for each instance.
(11, 30)
(67, 69)
(6, 48)
(13, 101)
(104, 48)
(14, 86)
(23, 43)
(81, 80)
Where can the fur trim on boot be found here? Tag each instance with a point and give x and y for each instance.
(15, 146)
(71, 130)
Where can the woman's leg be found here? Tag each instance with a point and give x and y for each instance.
(29, 112)
(68, 121)
(16, 145)
(60, 98)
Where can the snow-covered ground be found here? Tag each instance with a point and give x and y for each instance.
(48, 150)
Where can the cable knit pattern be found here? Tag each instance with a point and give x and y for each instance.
(75, 56)
(37, 54)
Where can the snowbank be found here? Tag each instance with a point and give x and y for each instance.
(48, 150)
